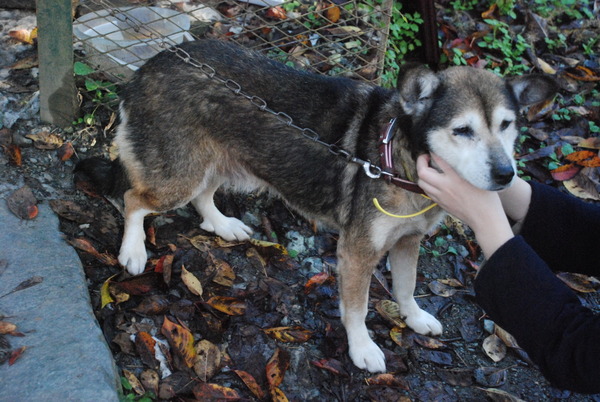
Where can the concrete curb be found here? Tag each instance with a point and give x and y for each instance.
(67, 358)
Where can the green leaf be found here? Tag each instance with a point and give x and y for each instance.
(125, 383)
(80, 68)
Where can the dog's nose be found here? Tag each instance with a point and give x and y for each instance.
(503, 174)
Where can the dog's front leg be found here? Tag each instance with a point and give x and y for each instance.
(132, 254)
(403, 261)
(354, 271)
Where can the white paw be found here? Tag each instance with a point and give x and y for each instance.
(230, 229)
(133, 258)
(368, 356)
(424, 323)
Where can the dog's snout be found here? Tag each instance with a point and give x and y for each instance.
(503, 174)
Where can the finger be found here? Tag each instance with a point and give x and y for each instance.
(423, 161)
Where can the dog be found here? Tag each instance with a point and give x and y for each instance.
(184, 134)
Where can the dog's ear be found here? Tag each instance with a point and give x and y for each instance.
(416, 84)
(532, 89)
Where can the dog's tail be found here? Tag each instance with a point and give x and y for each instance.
(101, 177)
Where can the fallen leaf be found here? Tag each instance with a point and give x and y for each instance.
(390, 310)
(265, 247)
(251, 383)
(85, 245)
(23, 203)
(206, 243)
(181, 341)
(7, 327)
(65, 152)
(207, 361)
(141, 284)
(497, 395)
(388, 380)
(145, 345)
(582, 73)
(317, 280)
(214, 392)
(24, 35)
(227, 305)
(117, 293)
(584, 158)
(490, 376)
(289, 334)
(591, 142)
(332, 13)
(16, 355)
(581, 187)
(579, 282)
(153, 305)
(462, 377)
(439, 289)
(276, 367)
(400, 337)
(277, 395)
(105, 296)
(45, 140)
(276, 13)
(14, 154)
(26, 63)
(150, 380)
(332, 365)
(136, 385)
(190, 280)
(565, 172)
(224, 274)
(507, 338)
(34, 280)
(428, 342)
(547, 68)
(71, 211)
(494, 348)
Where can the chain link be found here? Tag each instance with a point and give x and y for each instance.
(370, 169)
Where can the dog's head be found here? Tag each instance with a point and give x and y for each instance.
(468, 117)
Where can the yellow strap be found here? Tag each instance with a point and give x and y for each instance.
(380, 209)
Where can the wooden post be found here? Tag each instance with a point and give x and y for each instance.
(58, 97)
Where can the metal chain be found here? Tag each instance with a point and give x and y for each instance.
(371, 170)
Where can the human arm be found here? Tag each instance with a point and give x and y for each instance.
(480, 209)
(522, 295)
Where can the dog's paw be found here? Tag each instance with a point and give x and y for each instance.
(424, 323)
(133, 258)
(230, 229)
(368, 356)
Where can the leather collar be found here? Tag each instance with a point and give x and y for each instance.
(387, 163)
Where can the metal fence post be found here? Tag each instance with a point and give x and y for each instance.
(58, 97)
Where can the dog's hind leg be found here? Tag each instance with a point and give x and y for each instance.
(403, 261)
(132, 254)
(355, 267)
(228, 228)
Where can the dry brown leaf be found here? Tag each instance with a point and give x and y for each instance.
(150, 380)
(24, 35)
(251, 383)
(7, 327)
(214, 392)
(388, 380)
(440, 289)
(181, 341)
(14, 154)
(224, 274)
(208, 360)
(45, 140)
(579, 282)
(227, 305)
(276, 367)
(580, 186)
(289, 334)
(497, 395)
(507, 338)
(134, 382)
(23, 203)
(494, 348)
(190, 280)
(390, 310)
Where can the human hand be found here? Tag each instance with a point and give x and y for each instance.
(480, 209)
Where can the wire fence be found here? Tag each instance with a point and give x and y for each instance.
(340, 37)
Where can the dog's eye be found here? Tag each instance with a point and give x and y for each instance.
(464, 131)
(505, 124)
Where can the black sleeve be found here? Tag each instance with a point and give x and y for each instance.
(563, 230)
(522, 295)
